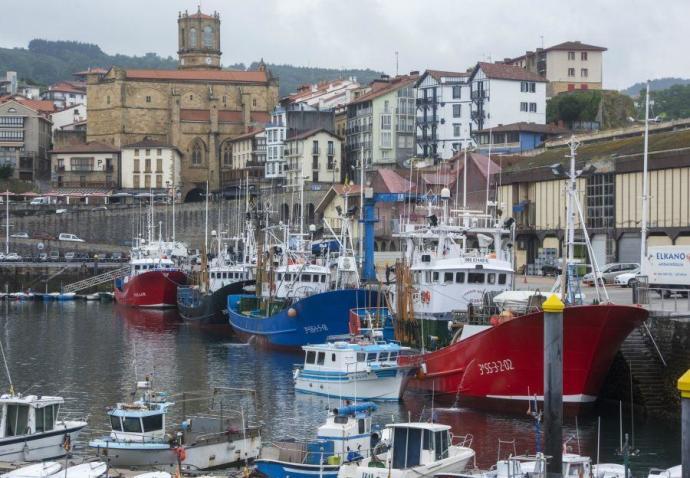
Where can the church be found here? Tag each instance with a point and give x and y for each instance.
(197, 108)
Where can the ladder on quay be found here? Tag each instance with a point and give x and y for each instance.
(96, 280)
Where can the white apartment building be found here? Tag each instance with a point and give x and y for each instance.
(327, 94)
(71, 115)
(149, 165)
(313, 156)
(505, 94)
(275, 143)
(65, 94)
(444, 110)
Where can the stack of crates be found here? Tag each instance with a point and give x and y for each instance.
(546, 256)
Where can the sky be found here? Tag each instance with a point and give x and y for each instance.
(645, 40)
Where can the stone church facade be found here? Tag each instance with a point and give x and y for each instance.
(197, 108)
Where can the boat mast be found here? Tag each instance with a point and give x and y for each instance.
(645, 182)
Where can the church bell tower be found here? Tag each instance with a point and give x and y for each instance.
(199, 41)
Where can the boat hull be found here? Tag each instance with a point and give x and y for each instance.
(453, 464)
(505, 362)
(154, 289)
(40, 446)
(208, 309)
(310, 320)
(282, 469)
(383, 384)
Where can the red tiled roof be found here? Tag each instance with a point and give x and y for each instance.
(480, 161)
(392, 182)
(382, 88)
(501, 71)
(66, 87)
(312, 132)
(229, 76)
(92, 147)
(40, 106)
(527, 127)
(575, 45)
(438, 74)
(203, 16)
(248, 135)
(346, 189)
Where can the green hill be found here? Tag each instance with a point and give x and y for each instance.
(654, 85)
(45, 62)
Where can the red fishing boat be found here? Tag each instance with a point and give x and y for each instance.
(503, 362)
(152, 283)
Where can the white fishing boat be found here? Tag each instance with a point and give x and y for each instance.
(139, 439)
(363, 368)
(414, 450)
(37, 470)
(92, 469)
(674, 472)
(30, 428)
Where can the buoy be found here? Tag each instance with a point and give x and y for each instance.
(292, 312)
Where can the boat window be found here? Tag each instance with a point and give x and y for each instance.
(460, 277)
(428, 440)
(361, 357)
(393, 356)
(311, 356)
(501, 279)
(136, 268)
(491, 278)
(371, 357)
(436, 276)
(152, 423)
(448, 277)
(39, 420)
(131, 424)
(280, 276)
(50, 416)
(115, 423)
(475, 277)
(17, 420)
(441, 441)
(315, 278)
(323, 278)
(321, 358)
(306, 278)
(427, 277)
(576, 469)
(332, 357)
(340, 420)
(406, 447)
(360, 425)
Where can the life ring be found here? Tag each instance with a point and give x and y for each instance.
(181, 453)
(67, 443)
(426, 296)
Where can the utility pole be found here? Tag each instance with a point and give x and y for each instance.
(645, 193)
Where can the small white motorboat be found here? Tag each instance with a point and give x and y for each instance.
(94, 296)
(674, 472)
(154, 474)
(38, 470)
(93, 469)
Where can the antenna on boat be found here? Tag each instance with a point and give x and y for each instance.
(7, 368)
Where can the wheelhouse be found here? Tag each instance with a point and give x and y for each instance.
(416, 444)
(28, 415)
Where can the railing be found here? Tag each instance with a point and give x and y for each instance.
(479, 94)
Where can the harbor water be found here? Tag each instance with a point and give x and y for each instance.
(92, 353)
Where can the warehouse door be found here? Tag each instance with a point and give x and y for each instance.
(599, 249)
(629, 247)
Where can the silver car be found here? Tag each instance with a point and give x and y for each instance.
(609, 272)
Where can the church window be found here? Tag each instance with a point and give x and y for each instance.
(148, 99)
(107, 99)
(197, 154)
(208, 37)
(227, 154)
(254, 102)
(191, 97)
(192, 37)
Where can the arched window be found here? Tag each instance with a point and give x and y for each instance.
(226, 154)
(192, 37)
(197, 153)
(182, 36)
(208, 37)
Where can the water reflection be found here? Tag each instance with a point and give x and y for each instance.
(91, 353)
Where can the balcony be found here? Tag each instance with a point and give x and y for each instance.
(479, 94)
(475, 115)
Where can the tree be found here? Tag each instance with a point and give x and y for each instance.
(6, 171)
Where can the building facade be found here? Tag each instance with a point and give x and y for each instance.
(312, 157)
(247, 159)
(381, 125)
(150, 165)
(326, 94)
(199, 108)
(443, 114)
(65, 94)
(88, 165)
(69, 118)
(517, 137)
(568, 66)
(504, 94)
(25, 138)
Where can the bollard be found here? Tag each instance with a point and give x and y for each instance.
(684, 388)
(553, 384)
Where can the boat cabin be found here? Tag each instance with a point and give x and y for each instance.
(347, 357)
(137, 423)
(297, 280)
(221, 276)
(349, 429)
(26, 415)
(417, 444)
(140, 266)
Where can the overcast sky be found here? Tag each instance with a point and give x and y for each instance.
(644, 39)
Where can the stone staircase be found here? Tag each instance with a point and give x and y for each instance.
(646, 363)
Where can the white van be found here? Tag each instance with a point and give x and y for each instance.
(40, 201)
(69, 237)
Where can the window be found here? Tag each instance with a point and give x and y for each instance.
(11, 121)
(314, 147)
(386, 122)
(361, 357)
(152, 423)
(114, 423)
(131, 424)
(306, 277)
(513, 137)
(254, 102)
(136, 152)
(148, 152)
(148, 99)
(448, 278)
(386, 139)
(371, 357)
(332, 357)
(321, 358)
(571, 71)
(457, 111)
(501, 279)
(159, 151)
(584, 72)
(81, 164)
(457, 90)
(147, 181)
(197, 154)
(475, 277)
(159, 181)
(208, 37)
(192, 37)
(533, 107)
(436, 276)
(528, 86)
(159, 164)
(583, 55)
(135, 181)
(491, 278)
(227, 154)
(147, 165)
(136, 165)
(571, 55)
(459, 277)
(600, 200)
(331, 148)
(524, 106)
(456, 130)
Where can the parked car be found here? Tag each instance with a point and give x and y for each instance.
(116, 256)
(69, 256)
(21, 235)
(82, 257)
(54, 256)
(61, 211)
(609, 272)
(13, 256)
(39, 201)
(626, 279)
(43, 256)
(99, 208)
(69, 237)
